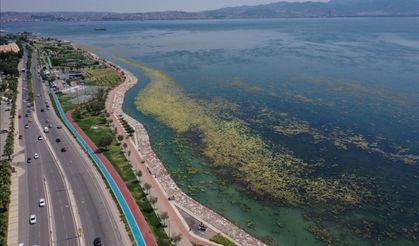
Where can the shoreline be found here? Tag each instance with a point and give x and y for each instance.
(156, 170)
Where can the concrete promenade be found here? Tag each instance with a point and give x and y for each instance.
(143, 158)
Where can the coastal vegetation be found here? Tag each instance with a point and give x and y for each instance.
(220, 239)
(95, 126)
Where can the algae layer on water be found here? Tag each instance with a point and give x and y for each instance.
(267, 171)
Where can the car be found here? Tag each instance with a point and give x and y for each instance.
(57, 140)
(59, 127)
(63, 149)
(29, 160)
(40, 138)
(26, 126)
(36, 156)
(20, 136)
(38, 95)
(32, 219)
(30, 120)
(42, 110)
(50, 125)
(20, 116)
(47, 121)
(42, 202)
(97, 242)
(26, 115)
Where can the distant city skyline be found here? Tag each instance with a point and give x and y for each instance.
(128, 5)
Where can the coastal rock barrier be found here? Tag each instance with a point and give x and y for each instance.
(159, 172)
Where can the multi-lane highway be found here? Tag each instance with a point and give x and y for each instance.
(79, 209)
(54, 222)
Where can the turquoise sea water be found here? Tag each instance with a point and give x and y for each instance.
(348, 88)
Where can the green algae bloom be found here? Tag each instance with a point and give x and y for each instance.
(266, 171)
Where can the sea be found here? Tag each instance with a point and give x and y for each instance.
(340, 91)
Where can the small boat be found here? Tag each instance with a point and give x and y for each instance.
(100, 29)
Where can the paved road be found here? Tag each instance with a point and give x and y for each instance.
(33, 188)
(95, 211)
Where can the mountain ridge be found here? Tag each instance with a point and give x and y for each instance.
(333, 8)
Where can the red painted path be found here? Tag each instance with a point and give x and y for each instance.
(141, 222)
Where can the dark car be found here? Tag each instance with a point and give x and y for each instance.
(42, 110)
(20, 136)
(59, 127)
(26, 115)
(57, 140)
(63, 149)
(97, 242)
(29, 160)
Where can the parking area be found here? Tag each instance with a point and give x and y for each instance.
(4, 124)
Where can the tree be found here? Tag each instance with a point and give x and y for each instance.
(139, 173)
(124, 145)
(147, 187)
(104, 141)
(176, 238)
(77, 114)
(153, 200)
(120, 137)
(164, 216)
(8, 149)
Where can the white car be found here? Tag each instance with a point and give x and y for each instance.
(32, 219)
(36, 156)
(42, 202)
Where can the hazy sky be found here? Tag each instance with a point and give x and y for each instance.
(126, 5)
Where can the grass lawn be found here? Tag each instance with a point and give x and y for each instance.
(102, 76)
